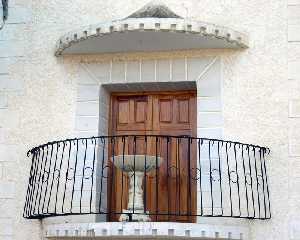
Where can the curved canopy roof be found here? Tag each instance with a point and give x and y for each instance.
(152, 28)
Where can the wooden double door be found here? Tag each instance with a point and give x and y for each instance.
(169, 191)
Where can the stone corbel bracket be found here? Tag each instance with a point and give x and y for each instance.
(189, 33)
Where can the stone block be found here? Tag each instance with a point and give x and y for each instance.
(6, 227)
(12, 32)
(209, 120)
(11, 48)
(196, 66)
(100, 71)
(293, 2)
(163, 73)
(10, 171)
(4, 64)
(85, 76)
(294, 229)
(7, 208)
(1, 171)
(294, 147)
(293, 14)
(11, 237)
(209, 84)
(209, 104)
(133, 71)
(294, 69)
(7, 190)
(294, 186)
(9, 84)
(87, 123)
(8, 152)
(88, 93)
(216, 133)
(3, 134)
(118, 72)
(90, 108)
(179, 70)
(19, 14)
(9, 119)
(293, 88)
(147, 71)
(3, 101)
(294, 137)
(4, 81)
(294, 108)
(85, 134)
(294, 32)
(294, 168)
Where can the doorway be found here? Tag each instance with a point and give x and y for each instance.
(169, 191)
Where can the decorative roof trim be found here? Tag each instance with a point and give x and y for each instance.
(154, 9)
(176, 25)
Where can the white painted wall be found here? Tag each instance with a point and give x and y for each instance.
(294, 115)
(38, 93)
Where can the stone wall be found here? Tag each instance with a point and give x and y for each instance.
(38, 93)
(13, 168)
(294, 116)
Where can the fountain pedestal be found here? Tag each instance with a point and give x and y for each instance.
(136, 166)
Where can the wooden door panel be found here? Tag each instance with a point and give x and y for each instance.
(165, 110)
(169, 189)
(140, 111)
(176, 180)
(183, 106)
(123, 112)
(173, 112)
(132, 113)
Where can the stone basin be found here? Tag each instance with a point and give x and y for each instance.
(136, 166)
(139, 163)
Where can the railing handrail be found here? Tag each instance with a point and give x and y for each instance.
(266, 149)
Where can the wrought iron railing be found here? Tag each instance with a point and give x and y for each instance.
(150, 178)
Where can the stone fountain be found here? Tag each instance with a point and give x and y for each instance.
(136, 166)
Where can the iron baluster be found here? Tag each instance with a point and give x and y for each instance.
(237, 178)
(93, 171)
(102, 169)
(245, 181)
(220, 177)
(251, 183)
(229, 180)
(210, 179)
(74, 175)
(46, 190)
(67, 175)
(257, 184)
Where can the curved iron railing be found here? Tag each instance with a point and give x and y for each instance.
(196, 177)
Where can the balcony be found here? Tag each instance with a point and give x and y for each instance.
(148, 178)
